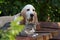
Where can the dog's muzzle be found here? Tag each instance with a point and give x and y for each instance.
(31, 17)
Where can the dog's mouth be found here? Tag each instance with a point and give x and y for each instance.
(30, 20)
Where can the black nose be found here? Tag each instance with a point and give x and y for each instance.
(31, 15)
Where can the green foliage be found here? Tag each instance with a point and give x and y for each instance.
(13, 31)
(1, 1)
(0, 12)
(47, 10)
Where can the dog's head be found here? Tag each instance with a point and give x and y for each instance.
(28, 12)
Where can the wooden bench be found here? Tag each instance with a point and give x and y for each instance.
(41, 36)
(54, 28)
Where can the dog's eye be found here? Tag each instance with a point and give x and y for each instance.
(33, 10)
(28, 9)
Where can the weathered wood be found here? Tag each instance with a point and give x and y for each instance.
(56, 37)
(44, 36)
(52, 25)
(24, 38)
(41, 36)
(46, 30)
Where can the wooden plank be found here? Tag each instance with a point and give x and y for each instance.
(24, 38)
(56, 37)
(54, 25)
(41, 36)
(44, 36)
(45, 30)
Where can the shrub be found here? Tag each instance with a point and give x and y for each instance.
(12, 31)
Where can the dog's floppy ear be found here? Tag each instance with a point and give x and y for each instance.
(37, 23)
(23, 14)
(35, 18)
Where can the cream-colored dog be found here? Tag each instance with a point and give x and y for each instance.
(30, 16)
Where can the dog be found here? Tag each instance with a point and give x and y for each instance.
(29, 19)
(29, 15)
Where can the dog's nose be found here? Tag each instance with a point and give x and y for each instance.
(31, 15)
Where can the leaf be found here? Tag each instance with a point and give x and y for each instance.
(0, 12)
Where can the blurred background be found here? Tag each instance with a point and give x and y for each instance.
(47, 10)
